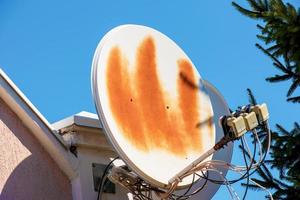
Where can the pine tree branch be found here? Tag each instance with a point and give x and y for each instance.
(252, 187)
(283, 68)
(251, 97)
(265, 184)
(281, 30)
(273, 48)
(297, 126)
(294, 99)
(255, 5)
(293, 87)
(246, 12)
(282, 130)
(267, 178)
(278, 78)
(277, 63)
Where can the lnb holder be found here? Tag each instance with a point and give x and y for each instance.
(243, 120)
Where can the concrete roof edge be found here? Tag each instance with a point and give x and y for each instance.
(83, 118)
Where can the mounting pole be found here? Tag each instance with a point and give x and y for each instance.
(217, 146)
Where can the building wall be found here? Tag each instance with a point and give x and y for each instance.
(88, 156)
(26, 170)
(92, 148)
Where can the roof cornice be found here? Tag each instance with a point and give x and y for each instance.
(38, 125)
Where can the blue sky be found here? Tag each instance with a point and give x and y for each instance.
(46, 48)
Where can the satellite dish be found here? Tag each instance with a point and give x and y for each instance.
(153, 104)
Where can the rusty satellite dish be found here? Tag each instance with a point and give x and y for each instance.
(153, 104)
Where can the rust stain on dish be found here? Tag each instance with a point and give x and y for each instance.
(188, 102)
(159, 130)
(138, 105)
(125, 112)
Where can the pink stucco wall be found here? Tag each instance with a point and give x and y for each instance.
(27, 172)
